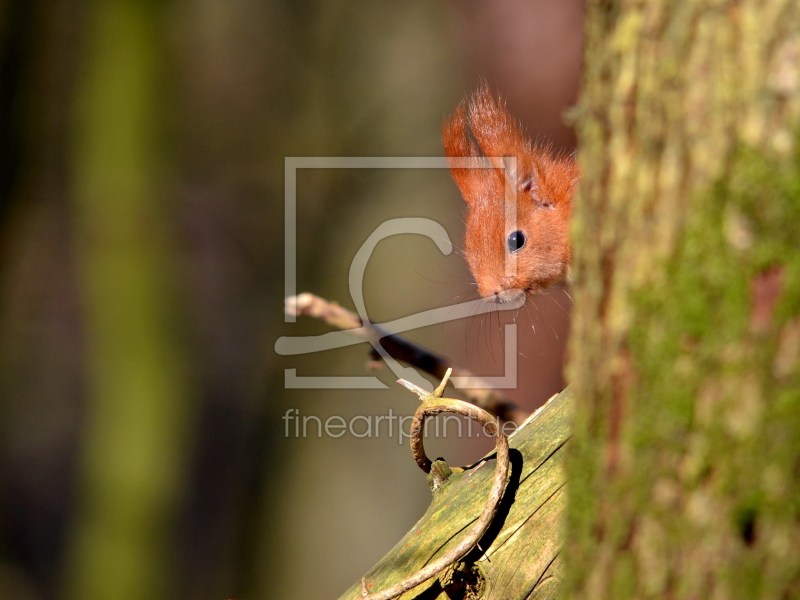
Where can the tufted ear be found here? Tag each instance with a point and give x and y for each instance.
(457, 144)
(498, 134)
(528, 185)
(482, 129)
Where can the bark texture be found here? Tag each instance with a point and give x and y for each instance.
(684, 469)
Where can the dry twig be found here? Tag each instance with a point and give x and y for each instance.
(479, 392)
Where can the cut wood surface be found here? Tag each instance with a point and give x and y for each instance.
(518, 557)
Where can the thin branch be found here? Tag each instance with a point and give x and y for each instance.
(478, 391)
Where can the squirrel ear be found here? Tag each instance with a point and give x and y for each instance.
(457, 144)
(469, 167)
(497, 133)
(528, 186)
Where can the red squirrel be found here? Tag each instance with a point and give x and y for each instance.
(510, 255)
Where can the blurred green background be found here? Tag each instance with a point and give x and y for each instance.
(142, 448)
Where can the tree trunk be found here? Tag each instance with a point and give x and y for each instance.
(684, 472)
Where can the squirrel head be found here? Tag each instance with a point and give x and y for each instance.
(518, 197)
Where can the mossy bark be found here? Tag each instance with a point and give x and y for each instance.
(684, 471)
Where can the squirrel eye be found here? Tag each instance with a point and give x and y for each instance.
(516, 241)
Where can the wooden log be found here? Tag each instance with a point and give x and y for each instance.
(519, 556)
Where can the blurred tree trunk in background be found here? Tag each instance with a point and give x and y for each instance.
(685, 356)
(41, 358)
(134, 443)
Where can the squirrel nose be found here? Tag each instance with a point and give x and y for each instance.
(498, 293)
(490, 290)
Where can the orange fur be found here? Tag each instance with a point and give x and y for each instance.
(540, 191)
